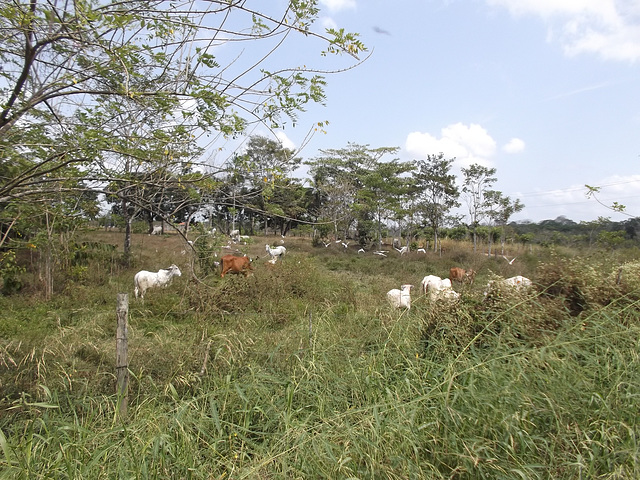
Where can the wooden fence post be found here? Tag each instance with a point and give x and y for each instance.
(122, 363)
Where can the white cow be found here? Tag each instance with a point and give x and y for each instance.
(277, 252)
(157, 230)
(438, 288)
(400, 298)
(517, 283)
(433, 283)
(144, 280)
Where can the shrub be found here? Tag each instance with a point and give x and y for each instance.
(10, 272)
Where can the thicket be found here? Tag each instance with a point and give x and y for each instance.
(304, 371)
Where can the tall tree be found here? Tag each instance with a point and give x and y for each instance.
(477, 181)
(500, 210)
(359, 184)
(335, 188)
(265, 167)
(437, 190)
(384, 189)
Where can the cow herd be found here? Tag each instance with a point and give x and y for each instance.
(432, 286)
(438, 289)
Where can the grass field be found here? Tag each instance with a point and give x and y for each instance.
(304, 371)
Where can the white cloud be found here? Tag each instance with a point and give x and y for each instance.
(550, 8)
(284, 140)
(337, 5)
(572, 201)
(515, 145)
(609, 28)
(467, 143)
(328, 22)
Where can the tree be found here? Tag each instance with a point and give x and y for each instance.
(593, 226)
(611, 239)
(292, 200)
(102, 92)
(438, 192)
(69, 64)
(383, 191)
(477, 181)
(265, 167)
(358, 185)
(500, 209)
(335, 188)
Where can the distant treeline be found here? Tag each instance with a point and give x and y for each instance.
(563, 231)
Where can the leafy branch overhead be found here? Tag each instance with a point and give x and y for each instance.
(94, 84)
(615, 206)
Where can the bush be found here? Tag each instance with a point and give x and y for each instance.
(10, 272)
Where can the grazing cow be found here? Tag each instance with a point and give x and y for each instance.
(433, 282)
(277, 252)
(157, 230)
(144, 280)
(461, 275)
(438, 288)
(233, 264)
(517, 283)
(400, 298)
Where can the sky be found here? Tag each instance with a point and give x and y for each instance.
(544, 91)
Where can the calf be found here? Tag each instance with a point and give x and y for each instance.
(276, 253)
(233, 264)
(461, 275)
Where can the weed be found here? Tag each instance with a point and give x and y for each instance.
(304, 371)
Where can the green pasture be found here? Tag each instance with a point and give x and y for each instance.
(304, 371)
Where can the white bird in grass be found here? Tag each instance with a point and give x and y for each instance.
(510, 261)
(326, 244)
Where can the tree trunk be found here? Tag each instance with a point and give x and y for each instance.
(127, 231)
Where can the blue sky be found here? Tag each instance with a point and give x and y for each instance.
(545, 91)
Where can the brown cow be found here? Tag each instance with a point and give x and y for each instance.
(233, 264)
(458, 274)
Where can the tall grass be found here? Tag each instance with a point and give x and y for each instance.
(310, 374)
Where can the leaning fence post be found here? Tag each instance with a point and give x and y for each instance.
(122, 363)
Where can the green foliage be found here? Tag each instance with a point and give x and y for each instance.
(204, 247)
(118, 103)
(304, 371)
(10, 272)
